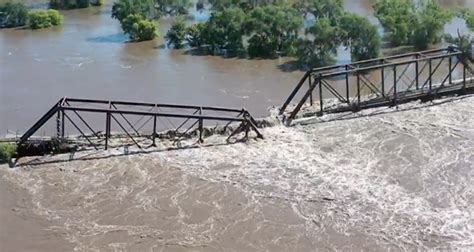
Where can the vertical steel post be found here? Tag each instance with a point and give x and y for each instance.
(464, 78)
(395, 85)
(154, 131)
(450, 66)
(62, 123)
(311, 95)
(107, 130)
(358, 90)
(58, 123)
(347, 86)
(200, 131)
(417, 74)
(383, 81)
(430, 73)
(321, 105)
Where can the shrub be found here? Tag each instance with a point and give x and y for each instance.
(176, 34)
(13, 14)
(56, 18)
(194, 35)
(138, 28)
(44, 18)
(39, 19)
(7, 152)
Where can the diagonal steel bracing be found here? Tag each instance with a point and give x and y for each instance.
(121, 113)
(380, 82)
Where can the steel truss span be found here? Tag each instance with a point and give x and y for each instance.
(138, 120)
(378, 82)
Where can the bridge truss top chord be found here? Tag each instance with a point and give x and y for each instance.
(381, 82)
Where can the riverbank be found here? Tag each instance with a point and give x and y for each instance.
(386, 179)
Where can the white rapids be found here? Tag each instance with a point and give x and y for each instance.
(387, 178)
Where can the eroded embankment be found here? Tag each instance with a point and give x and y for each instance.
(383, 179)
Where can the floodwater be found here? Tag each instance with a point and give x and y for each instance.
(89, 57)
(383, 179)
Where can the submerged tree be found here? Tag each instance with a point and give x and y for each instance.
(176, 35)
(360, 36)
(412, 23)
(173, 7)
(139, 28)
(224, 30)
(328, 9)
(247, 5)
(39, 19)
(72, 4)
(273, 29)
(123, 8)
(137, 18)
(194, 35)
(320, 45)
(13, 14)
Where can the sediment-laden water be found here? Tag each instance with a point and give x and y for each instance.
(89, 57)
(387, 178)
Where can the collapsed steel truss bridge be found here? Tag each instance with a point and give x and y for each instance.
(378, 82)
(134, 118)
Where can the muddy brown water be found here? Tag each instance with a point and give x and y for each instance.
(89, 57)
(383, 179)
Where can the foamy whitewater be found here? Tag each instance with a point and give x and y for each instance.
(387, 178)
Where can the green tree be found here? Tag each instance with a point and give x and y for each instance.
(224, 30)
(396, 16)
(173, 7)
(39, 19)
(55, 17)
(431, 19)
(328, 9)
(274, 28)
(247, 5)
(467, 14)
(69, 4)
(360, 36)
(123, 8)
(194, 35)
(412, 23)
(139, 28)
(13, 14)
(470, 22)
(177, 34)
(320, 44)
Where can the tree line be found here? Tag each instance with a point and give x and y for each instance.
(17, 14)
(309, 30)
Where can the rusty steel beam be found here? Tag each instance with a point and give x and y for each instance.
(110, 110)
(394, 95)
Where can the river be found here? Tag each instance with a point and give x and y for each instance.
(89, 57)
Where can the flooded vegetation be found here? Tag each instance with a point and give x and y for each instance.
(90, 57)
(398, 178)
